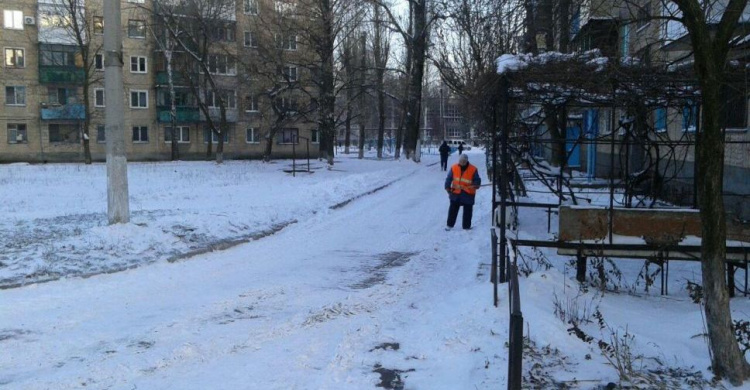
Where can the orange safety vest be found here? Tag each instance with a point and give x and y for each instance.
(463, 182)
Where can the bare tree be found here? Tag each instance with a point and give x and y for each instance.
(381, 52)
(711, 46)
(200, 29)
(67, 22)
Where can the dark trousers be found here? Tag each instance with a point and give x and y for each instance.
(444, 163)
(453, 214)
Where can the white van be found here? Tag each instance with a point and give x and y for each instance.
(453, 143)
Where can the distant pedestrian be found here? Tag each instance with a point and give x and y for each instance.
(462, 184)
(445, 151)
(460, 148)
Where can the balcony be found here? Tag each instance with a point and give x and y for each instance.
(184, 114)
(178, 78)
(61, 75)
(215, 113)
(64, 112)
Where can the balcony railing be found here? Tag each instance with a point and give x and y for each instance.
(184, 114)
(61, 75)
(64, 112)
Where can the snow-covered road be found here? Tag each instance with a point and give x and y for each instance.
(320, 305)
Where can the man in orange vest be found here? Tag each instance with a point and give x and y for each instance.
(462, 184)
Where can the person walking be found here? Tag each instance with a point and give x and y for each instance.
(461, 184)
(460, 148)
(444, 150)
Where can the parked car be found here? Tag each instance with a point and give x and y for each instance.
(453, 143)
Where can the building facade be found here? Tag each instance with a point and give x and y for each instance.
(53, 64)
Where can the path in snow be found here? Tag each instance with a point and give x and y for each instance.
(317, 306)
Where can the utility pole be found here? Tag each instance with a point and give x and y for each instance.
(118, 207)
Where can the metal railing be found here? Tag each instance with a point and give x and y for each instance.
(515, 331)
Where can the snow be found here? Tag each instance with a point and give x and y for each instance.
(334, 295)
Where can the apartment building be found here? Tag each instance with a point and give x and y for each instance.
(49, 72)
(632, 33)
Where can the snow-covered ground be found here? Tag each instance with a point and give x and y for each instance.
(239, 276)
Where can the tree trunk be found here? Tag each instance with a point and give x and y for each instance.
(727, 359)
(172, 105)
(414, 98)
(380, 59)
(327, 82)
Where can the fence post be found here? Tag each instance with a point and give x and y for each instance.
(493, 266)
(515, 331)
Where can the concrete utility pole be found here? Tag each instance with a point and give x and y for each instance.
(118, 207)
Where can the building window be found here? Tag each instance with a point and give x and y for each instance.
(454, 132)
(251, 103)
(99, 62)
(221, 64)
(56, 95)
(224, 33)
(251, 7)
(250, 39)
(625, 41)
(140, 134)
(64, 133)
(288, 136)
(287, 104)
(98, 25)
(58, 55)
(136, 28)
(101, 134)
(138, 99)
(17, 133)
(734, 110)
(13, 19)
(15, 58)
(315, 136)
(227, 95)
(290, 73)
(689, 117)
(99, 97)
(138, 64)
(182, 134)
(210, 134)
(286, 42)
(660, 120)
(252, 136)
(15, 95)
(643, 15)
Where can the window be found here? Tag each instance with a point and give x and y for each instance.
(290, 73)
(252, 136)
(287, 104)
(223, 33)
(251, 7)
(99, 97)
(643, 16)
(61, 95)
(285, 7)
(15, 95)
(140, 134)
(221, 64)
(64, 133)
(286, 42)
(251, 103)
(288, 136)
(138, 64)
(138, 99)
(101, 134)
(136, 1)
(735, 108)
(136, 28)
(660, 120)
(15, 58)
(98, 25)
(625, 41)
(99, 62)
(182, 134)
(689, 117)
(210, 134)
(227, 95)
(17, 133)
(13, 19)
(58, 55)
(454, 132)
(315, 136)
(251, 40)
